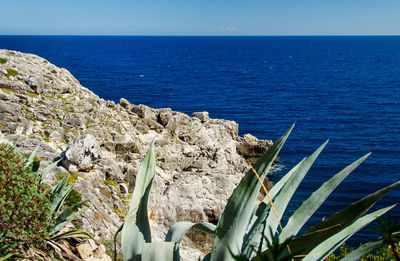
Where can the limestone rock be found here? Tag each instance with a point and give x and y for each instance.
(143, 111)
(165, 115)
(84, 250)
(252, 148)
(203, 116)
(92, 253)
(111, 169)
(10, 108)
(83, 153)
(125, 103)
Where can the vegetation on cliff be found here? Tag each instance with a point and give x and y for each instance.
(32, 214)
(25, 207)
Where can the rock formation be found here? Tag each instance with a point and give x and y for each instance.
(199, 160)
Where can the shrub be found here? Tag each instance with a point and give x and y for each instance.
(24, 205)
(382, 254)
(3, 60)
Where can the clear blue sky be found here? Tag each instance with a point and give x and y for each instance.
(200, 17)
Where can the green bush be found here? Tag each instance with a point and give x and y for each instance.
(24, 206)
(3, 60)
(383, 254)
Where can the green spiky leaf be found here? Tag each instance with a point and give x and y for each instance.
(31, 157)
(47, 170)
(178, 230)
(268, 220)
(335, 223)
(160, 251)
(68, 215)
(59, 194)
(233, 222)
(308, 207)
(73, 234)
(136, 229)
(321, 251)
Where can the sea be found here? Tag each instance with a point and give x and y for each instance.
(342, 88)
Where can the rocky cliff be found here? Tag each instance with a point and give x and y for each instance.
(199, 160)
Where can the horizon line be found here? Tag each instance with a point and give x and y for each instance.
(204, 35)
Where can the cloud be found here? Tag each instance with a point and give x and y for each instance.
(223, 29)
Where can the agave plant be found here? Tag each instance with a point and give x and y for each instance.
(247, 227)
(57, 197)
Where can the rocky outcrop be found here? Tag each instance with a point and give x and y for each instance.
(252, 148)
(200, 160)
(82, 154)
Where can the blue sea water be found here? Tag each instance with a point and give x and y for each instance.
(345, 88)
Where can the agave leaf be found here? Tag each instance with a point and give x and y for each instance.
(278, 250)
(355, 210)
(49, 168)
(279, 185)
(66, 216)
(160, 251)
(29, 161)
(72, 234)
(233, 222)
(136, 229)
(268, 218)
(35, 167)
(59, 194)
(60, 185)
(321, 251)
(283, 198)
(132, 241)
(178, 230)
(261, 206)
(142, 218)
(255, 228)
(333, 224)
(144, 176)
(70, 218)
(308, 207)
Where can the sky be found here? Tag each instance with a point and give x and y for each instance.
(200, 17)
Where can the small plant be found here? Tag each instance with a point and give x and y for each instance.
(342, 252)
(30, 211)
(3, 60)
(24, 204)
(345, 253)
(390, 232)
(110, 182)
(73, 177)
(73, 198)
